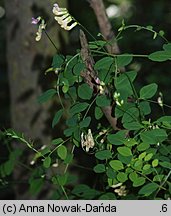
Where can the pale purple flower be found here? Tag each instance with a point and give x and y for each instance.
(97, 80)
(35, 21)
(41, 26)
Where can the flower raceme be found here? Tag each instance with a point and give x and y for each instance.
(87, 140)
(41, 27)
(64, 19)
(62, 16)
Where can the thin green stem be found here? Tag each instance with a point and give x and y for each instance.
(64, 191)
(145, 28)
(28, 144)
(149, 179)
(72, 151)
(132, 86)
(161, 185)
(58, 146)
(22, 139)
(57, 89)
(118, 35)
(24, 165)
(115, 55)
(135, 94)
(8, 147)
(78, 54)
(125, 111)
(90, 34)
(157, 103)
(157, 174)
(90, 106)
(166, 178)
(82, 167)
(165, 148)
(51, 40)
(116, 70)
(86, 30)
(108, 71)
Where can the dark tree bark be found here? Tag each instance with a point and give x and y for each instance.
(90, 75)
(107, 32)
(27, 62)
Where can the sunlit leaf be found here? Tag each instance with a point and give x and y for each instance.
(99, 168)
(116, 164)
(125, 151)
(148, 189)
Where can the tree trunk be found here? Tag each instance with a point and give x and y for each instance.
(27, 62)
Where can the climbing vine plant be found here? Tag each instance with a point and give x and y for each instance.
(132, 151)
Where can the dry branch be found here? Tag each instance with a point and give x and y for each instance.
(90, 76)
(104, 24)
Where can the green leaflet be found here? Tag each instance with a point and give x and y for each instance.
(102, 101)
(124, 59)
(116, 165)
(148, 91)
(104, 63)
(47, 162)
(58, 60)
(99, 168)
(122, 177)
(62, 152)
(85, 123)
(148, 189)
(85, 92)
(124, 151)
(46, 95)
(153, 136)
(117, 139)
(78, 68)
(98, 113)
(78, 107)
(57, 141)
(103, 155)
(36, 185)
(57, 117)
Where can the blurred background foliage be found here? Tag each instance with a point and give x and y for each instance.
(140, 12)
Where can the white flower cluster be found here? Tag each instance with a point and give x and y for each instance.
(120, 191)
(87, 140)
(117, 99)
(160, 99)
(63, 17)
(41, 27)
(102, 87)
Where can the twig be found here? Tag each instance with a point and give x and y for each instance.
(104, 24)
(90, 76)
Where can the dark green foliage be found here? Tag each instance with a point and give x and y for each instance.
(133, 159)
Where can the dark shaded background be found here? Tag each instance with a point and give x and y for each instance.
(141, 12)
